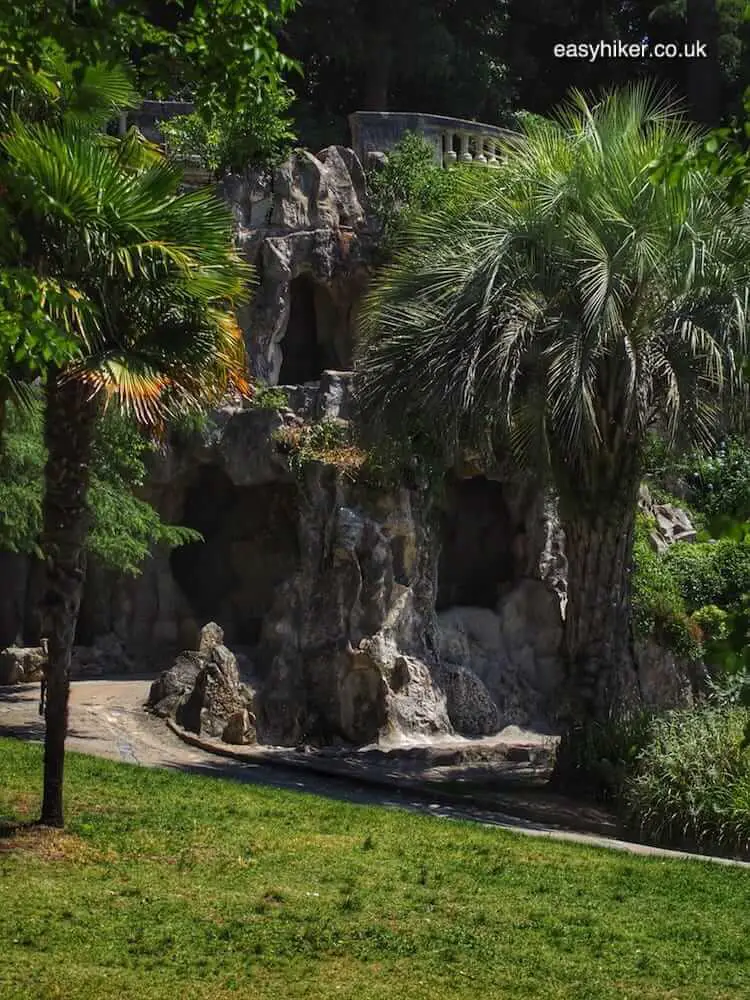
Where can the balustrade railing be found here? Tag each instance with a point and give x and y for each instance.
(454, 140)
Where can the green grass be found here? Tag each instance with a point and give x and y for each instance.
(166, 885)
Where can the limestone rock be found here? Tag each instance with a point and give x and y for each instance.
(470, 706)
(508, 660)
(666, 681)
(240, 728)
(217, 694)
(347, 640)
(415, 703)
(672, 523)
(211, 636)
(318, 192)
(21, 665)
(175, 684)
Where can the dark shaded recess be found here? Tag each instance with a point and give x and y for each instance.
(476, 534)
(309, 344)
(250, 547)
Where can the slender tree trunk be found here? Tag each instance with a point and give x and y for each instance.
(70, 424)
(598, 631)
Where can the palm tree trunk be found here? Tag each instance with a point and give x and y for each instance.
(598, 630)
(70, 424)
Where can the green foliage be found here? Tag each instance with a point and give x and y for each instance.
(410, 184)
(712, 621)
(594, 759)
(124, 527)
(691, 784)
(723, 152)
(658, 605)
(255, 135)
(224, 52)
(719, 484)
(149, 274)
(34, 314)
(482, 322)
(268, 397)
(711, 573)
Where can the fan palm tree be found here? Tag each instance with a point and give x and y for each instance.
(563, 313)
(149, 278)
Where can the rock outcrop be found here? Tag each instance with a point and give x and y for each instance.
(349, 638)
(305, 228)
(22, 665)
(671, 524)
(204, 693)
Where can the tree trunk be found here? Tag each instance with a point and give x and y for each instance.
(598, 631)
(70, 424)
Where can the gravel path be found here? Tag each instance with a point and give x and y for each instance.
(107, 720)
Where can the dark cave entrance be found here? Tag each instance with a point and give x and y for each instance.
(250, 548)
(476, 555)
(312, 342)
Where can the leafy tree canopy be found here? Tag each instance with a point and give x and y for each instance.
(225, 52)
(124, 526)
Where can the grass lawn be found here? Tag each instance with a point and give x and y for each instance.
(171, 886)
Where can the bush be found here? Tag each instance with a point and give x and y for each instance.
(710, 572)
(691, 782)
(410, 184)
(259, 135)
(658, 605)
(594, 759)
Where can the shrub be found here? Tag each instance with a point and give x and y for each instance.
(268, 397)
(691, 782)
(712, 621)
(258, 135)
(411, 184)
(594, 759)
(710, 573)
(328, 441)
(658, 606)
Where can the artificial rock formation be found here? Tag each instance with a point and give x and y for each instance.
(304, 228)
(350, 640)
(364, 613)
(204, 693)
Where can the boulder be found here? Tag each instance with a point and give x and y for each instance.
(471, 709)
(21, 665)
(204, 693)
(672, 524)
(240, 728)
(175, 684)
(665, 680)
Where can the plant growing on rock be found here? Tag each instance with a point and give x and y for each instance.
(560, 312)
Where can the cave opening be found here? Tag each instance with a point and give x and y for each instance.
(313, 338)
(250, 547)
(476, 560)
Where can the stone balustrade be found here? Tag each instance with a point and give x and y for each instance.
(454, 140)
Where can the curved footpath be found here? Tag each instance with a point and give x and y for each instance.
(107, 719)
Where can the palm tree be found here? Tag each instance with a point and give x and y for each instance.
(150, 277)
(564, 313)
